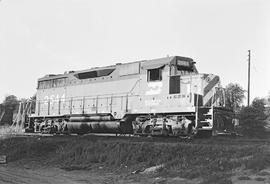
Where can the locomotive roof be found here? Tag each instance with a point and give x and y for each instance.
(153, 63)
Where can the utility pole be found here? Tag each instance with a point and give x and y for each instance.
(248, 77)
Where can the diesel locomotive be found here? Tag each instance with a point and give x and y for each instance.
(165, 96)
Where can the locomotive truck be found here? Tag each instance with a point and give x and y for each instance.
(165, 96)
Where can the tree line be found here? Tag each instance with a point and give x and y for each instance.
(253, 119)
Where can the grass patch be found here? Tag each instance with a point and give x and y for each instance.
(17, 148)
(213, 163)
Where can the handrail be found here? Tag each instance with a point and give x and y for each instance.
(135, 85)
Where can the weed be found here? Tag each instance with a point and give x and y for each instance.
(263, 173)
(259, 179)
(244, 178)
(259, 161)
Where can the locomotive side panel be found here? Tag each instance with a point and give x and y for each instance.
(48, 101)
(101, 89)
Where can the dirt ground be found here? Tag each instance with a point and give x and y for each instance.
(27, 165)
(15, 174)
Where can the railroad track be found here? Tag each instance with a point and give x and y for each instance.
(228, 140)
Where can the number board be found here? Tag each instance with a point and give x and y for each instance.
(183, 63)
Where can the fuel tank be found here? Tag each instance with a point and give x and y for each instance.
(83, 127)
(91, 118)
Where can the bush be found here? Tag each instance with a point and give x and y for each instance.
(252, 120)
(258, 162)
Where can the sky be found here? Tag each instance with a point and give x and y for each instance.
(40, 37)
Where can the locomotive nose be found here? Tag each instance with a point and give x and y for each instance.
(210, 83)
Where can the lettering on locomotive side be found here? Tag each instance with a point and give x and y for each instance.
(54, 98)
(154, 88)
(152, 102)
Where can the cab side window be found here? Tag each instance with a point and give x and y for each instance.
(154, 74)
(174, 85)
